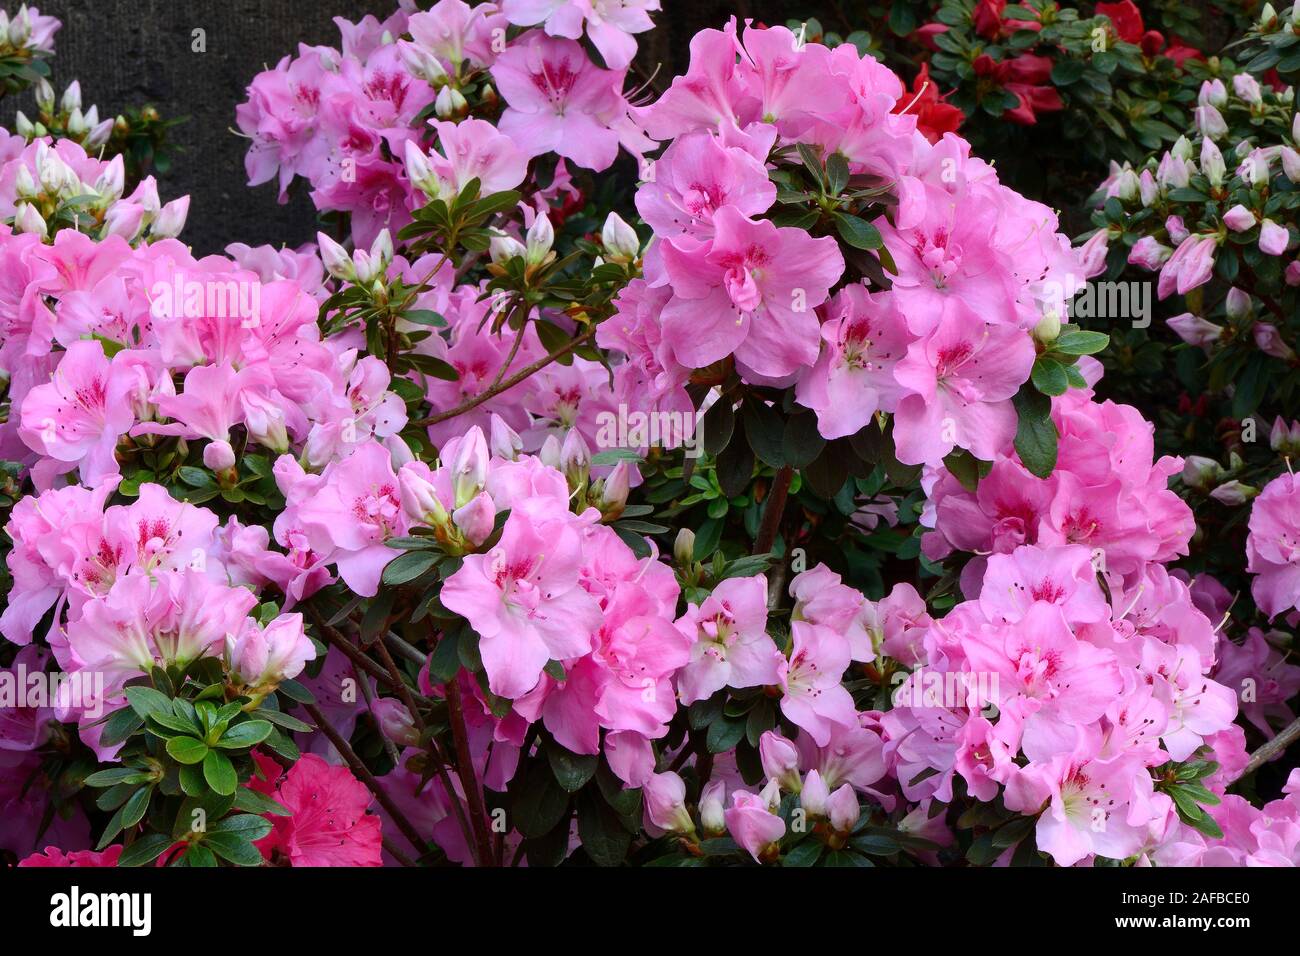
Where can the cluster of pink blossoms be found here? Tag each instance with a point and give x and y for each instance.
(979, 266)
(345, 120)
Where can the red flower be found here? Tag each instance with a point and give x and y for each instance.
(934, 117)
(1125, 17)
(53, 856)
(328, 824)
(1024, 77)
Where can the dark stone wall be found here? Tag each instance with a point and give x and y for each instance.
(129, 52)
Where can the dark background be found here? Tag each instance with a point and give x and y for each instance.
(133, 52)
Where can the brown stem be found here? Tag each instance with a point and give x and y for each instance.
(1274, 747)
(509, 383)
(465, 769)
(439, 761)
(773, 510)
(362, 772)
(350, 650)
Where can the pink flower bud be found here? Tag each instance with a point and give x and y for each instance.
(219, 456)
(665, 804)
(842, 808)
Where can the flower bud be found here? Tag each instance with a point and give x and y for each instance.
(1239, 218)
(419, 172)
(44, 96)
(419, 498)
(1200, 472)
(450, 103)
(1177, 229)
(171, 219)
(1149, 254)
(25, 183)
(1212, 93)
(712, 820)
(1233, 493)
(1291, 161)
(1210, 122)
(619, 239)
(1148, 191)
(614, 491)
(1048, 328)
(71, 97)
(23, 126)
(124, 218)
(780, 760)
(395, 722)
(1247, 88)
(538, 241)
(1269, 341)
(549, 453)
(504, 441)
(684, 547)
(1273, 238)
(1292, 274)
(477, 519)
(421, 62)
(1194, 330)
(1284, 439)
(29, 220)
(1212, 164)
(501, 249)
(469, 465)
(575, 459)
(1182, 148)
(381, 250)
(665, 804)
(1237, 304)
(814, 794)
(336, 259)
(842, 808)
(219, 456)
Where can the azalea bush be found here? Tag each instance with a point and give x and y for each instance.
(703, 471)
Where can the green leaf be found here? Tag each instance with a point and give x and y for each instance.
(1036, 436)
(1080, 342)
(116, 775)
(120, 725)
(1048, 376)
(219, 772)
(409, 566)
(539, 802)
(247, 734)
(857, 232)
(601, 832)
(145, 850)
(146, 701)
(572, 771)
(187, 750)
(805, 854)
(724, 733)
(233, 848)
(250, 801)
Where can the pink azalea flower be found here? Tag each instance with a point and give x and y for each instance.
(350, 512)
(695, 177)
(1273, 547)
(752, 824)
(961, 379)
(610, 24)
(558, 101)
(750, 291)
(863, 340)
(731, 647)
(812, 695)
(77, 418)
(524, 600)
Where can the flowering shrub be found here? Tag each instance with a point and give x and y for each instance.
(767, 513)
